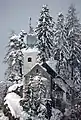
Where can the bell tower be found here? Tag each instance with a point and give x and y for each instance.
(30, 55)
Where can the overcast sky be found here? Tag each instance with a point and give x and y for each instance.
(15, 14)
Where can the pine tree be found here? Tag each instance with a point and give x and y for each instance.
(73, 28)
(34, 105)
(45, 34)
(22, 45)
(61, 45)
(61, 51)
(14, 57)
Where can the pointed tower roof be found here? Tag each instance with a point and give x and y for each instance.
(31, 37)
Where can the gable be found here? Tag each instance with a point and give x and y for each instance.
(37, 69)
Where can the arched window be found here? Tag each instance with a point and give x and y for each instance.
(29, 59)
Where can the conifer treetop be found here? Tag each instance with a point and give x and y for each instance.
(45, 33)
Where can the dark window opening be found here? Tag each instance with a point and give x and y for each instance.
(37, 71)
(29, 59)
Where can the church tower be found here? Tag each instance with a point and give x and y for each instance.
(30, 55)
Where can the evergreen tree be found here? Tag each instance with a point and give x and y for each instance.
(34, 104)
(14, 57)
(61, 48)
(22, 45)
(45, 35)
(61, 45)
(73, 28)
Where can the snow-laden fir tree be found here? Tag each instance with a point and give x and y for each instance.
(14, 57)
(45, 34)
(22, 45)
(61, 47)
(73, 28)
(34, 104)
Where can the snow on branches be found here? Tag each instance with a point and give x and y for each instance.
(44, 32)
(14, 57)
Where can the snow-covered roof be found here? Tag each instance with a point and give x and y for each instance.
(12, 100)
(52, 63)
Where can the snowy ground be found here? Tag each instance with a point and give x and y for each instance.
(2, 117)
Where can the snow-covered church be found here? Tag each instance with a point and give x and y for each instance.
(56, 87)
(43, 79)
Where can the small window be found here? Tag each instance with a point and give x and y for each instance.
(37, 71)
(29, 59)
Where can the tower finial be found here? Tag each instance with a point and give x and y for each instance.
(30, 23)
(31, 31)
